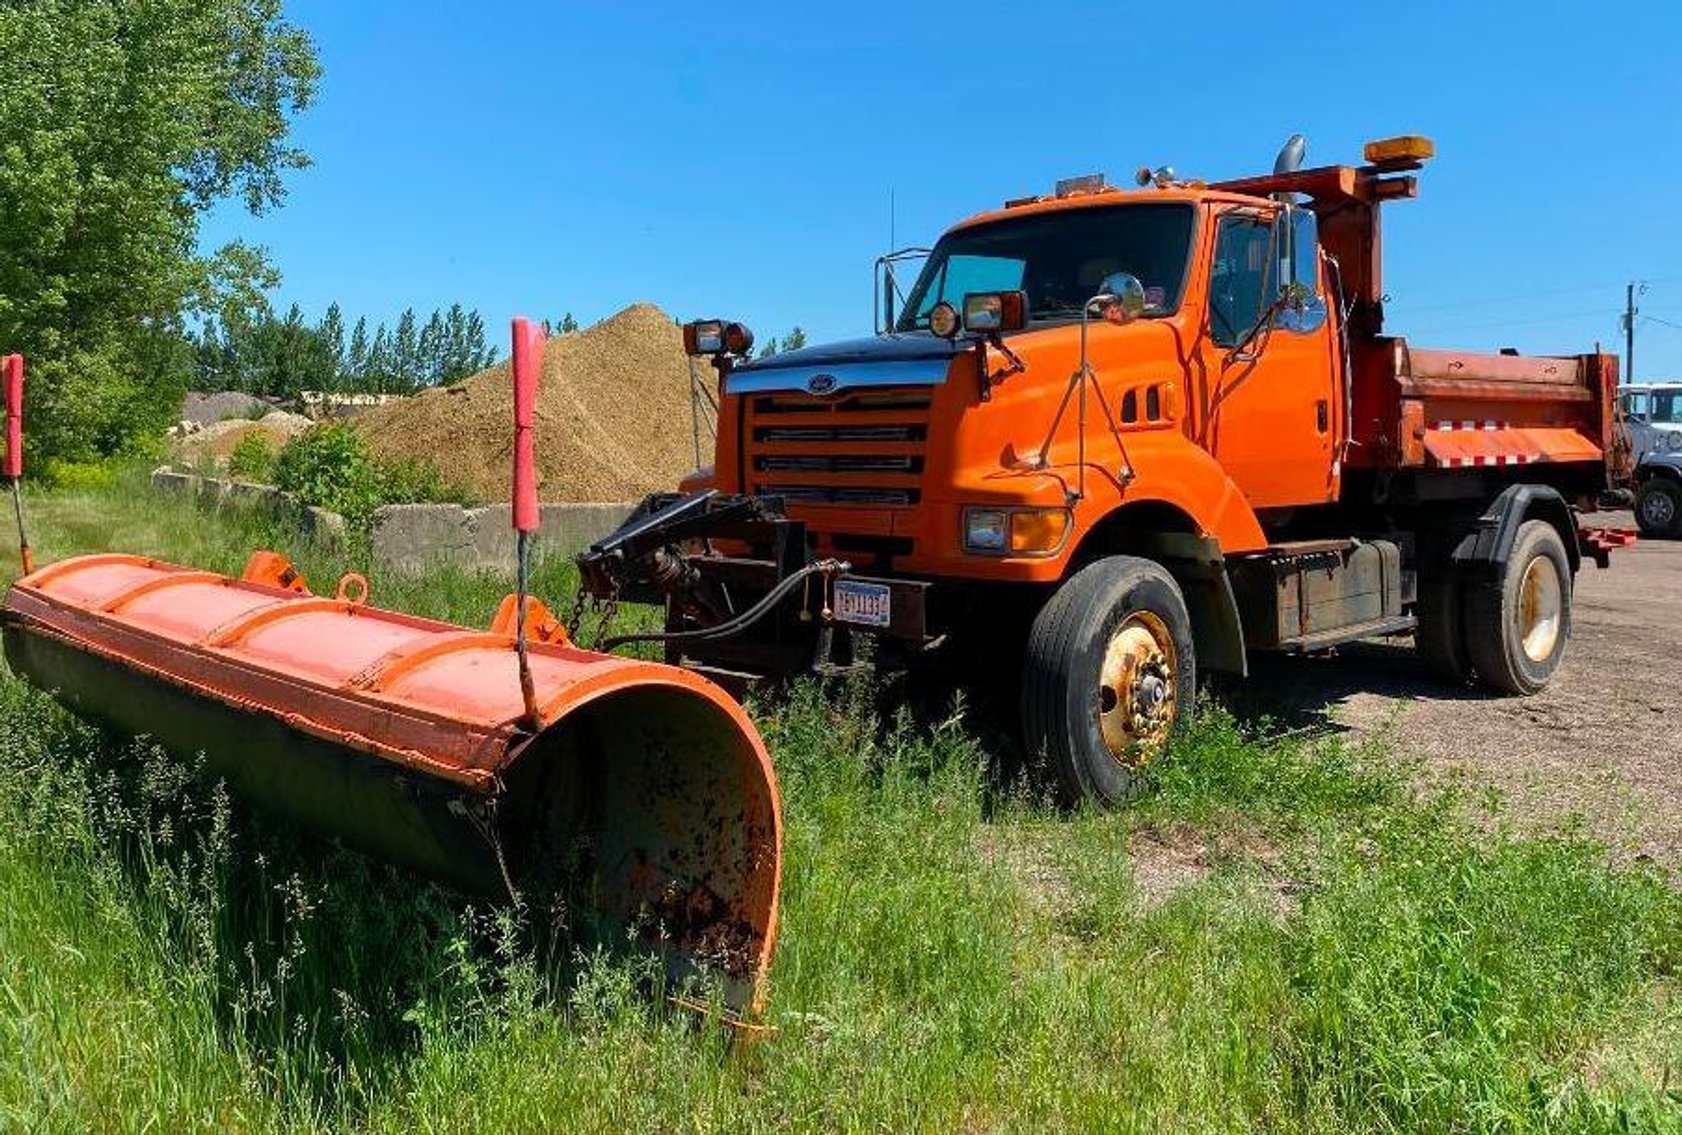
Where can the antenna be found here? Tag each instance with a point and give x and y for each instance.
(528, 366)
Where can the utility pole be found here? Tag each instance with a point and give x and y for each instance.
(1629, 334)
(1634, 289)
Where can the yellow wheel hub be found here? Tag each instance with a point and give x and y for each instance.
(1541, 609)
(1136, 694)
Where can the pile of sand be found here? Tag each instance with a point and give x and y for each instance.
(208, 448)
(613, 417)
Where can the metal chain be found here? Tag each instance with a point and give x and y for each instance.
(605, 609)
(608, 608)
(576, 623)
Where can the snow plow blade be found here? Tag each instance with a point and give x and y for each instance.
(641, 802)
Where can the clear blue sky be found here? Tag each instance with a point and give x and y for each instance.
(737, 160)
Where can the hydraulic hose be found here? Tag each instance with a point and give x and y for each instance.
(738, 623)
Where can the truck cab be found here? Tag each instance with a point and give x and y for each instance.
(1652, 413)
(1109, 436)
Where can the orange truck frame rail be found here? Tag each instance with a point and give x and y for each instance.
(1108, 439)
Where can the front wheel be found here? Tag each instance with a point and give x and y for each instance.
(1109, 672)
(1658, 508)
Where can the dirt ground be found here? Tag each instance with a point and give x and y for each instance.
(1600, 743)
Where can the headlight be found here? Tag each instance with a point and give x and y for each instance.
(986, 529)
(943, 320)
(1015, 531)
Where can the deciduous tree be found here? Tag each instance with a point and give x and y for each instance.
(121, 122)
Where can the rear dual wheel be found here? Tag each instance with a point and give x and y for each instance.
(1508, 632)
(1108, 674)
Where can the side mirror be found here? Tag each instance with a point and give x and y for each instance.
(1299, 306)
(1120, 299)
(714, 337)
(992, 313)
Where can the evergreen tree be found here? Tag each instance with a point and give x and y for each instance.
(432, 351)
(405, 353)
(568, 324)
(477, 353)
(379, 380)
(356, 362)
(332, 333)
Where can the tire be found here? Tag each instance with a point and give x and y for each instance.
(1517, 624)
(1440, 637)
(1124, 618)
(1658, 508)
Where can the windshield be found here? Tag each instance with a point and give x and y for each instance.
(1661, 407)
(1059, 259)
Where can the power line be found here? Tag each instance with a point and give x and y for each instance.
(1485, 324)
(1516, 297)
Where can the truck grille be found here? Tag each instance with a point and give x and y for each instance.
(860, 449)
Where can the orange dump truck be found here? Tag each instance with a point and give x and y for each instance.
(1110, 439)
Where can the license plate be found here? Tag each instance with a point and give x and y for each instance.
(865, 604)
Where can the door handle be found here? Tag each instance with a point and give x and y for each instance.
(1322, 415)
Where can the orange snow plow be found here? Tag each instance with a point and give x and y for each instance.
(635, 796)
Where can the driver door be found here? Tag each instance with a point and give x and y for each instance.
(1272, 407)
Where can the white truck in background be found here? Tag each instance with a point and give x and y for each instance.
(1653, 413)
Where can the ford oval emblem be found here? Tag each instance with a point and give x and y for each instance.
(821, 383)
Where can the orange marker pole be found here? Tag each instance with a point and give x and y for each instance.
(527, 365)
(11, 373)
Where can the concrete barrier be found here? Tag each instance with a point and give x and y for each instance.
(411, 537)
(319, 523)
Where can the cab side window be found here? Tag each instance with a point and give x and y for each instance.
(1239, 278)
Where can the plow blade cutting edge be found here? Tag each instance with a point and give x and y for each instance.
(645, 804)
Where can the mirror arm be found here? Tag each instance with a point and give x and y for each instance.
(988, 380)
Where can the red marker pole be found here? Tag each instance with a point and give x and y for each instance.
(528, 367)
(11, 375)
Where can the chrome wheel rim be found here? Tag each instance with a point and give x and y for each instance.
(1136, 690)
(1658, 510)
(1541, 609)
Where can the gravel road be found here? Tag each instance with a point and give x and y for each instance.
(1603, 742)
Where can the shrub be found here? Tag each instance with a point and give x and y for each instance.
(74, 475)
(252, 458)
(414, 480)
(329, 466)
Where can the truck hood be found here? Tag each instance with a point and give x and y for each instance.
(915, 358)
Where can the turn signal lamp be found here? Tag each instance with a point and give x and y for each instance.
(1407, 148)
(716, 337)
(992, 312)
(1037, 531)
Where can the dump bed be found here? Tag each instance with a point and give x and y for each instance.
(1415, 408)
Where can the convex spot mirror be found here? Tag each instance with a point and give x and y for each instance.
(1120, 299)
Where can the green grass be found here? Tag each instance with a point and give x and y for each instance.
(1285, 935)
